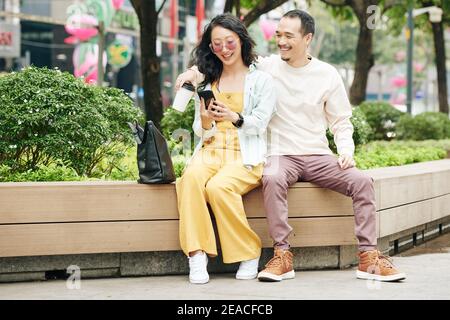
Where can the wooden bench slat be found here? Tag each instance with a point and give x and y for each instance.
(112, 203)
(104, 237)
(402, 190)
(408, 216)
(50, 203)
(409, 169)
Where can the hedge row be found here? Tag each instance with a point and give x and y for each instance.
(50, 118)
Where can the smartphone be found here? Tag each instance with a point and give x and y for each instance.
(207, 95)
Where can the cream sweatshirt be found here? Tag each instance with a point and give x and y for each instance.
(310, 99)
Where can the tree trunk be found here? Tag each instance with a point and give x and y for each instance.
(318, 43)
(261, 8)
(237, 5)
(228, 6)
(364, 55)
(150, 62)
(439, 47)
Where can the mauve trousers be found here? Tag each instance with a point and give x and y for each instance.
(323, 170)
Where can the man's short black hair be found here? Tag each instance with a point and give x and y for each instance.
(306, 21)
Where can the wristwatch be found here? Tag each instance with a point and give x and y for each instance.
(240, 121)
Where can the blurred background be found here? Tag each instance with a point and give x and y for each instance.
(62, 34)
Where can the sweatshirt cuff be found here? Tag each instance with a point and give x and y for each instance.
(346, 152)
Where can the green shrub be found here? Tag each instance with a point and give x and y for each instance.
(441, 144)
(396, 153)
(427, 125)
(361, 130)
(47, 115)
(382, 118)
(179, 163)
(52, 172)
(121, 166)
(406, 127)
(173, 120)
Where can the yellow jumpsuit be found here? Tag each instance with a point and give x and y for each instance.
(217, 176)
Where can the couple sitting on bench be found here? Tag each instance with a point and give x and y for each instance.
(267, 125)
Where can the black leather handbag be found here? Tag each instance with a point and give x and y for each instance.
(153, 156)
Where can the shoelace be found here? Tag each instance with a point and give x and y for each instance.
(275, 262)
(385, 260)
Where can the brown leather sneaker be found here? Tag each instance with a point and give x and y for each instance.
(280, 267)
(375, 266)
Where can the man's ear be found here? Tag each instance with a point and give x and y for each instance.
(309, 38)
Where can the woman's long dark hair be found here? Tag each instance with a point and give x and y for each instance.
(207, 62)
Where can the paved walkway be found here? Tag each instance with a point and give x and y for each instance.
(427, 267)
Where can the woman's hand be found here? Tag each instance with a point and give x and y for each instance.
(221, 112)
(188, 76)
(205, 115)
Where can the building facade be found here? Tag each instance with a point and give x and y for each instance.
(42, 39)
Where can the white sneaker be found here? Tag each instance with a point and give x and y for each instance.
(197, 268)
(248, 269)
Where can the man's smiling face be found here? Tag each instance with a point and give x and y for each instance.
(290, 40)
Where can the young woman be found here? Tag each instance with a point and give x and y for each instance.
(228, 161)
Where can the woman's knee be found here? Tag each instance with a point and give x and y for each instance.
(191, 176)
(192, 173)
(215, 187)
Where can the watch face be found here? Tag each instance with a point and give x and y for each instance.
(239, 122)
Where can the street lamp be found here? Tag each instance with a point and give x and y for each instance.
(435, 16)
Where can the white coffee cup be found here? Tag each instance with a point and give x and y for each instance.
(183, 96)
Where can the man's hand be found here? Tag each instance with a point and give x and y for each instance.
(188, 76)
(346, 161)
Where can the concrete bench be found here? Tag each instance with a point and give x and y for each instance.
(81, 218)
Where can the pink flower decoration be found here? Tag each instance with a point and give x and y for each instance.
(399, 99)
(418, 67)
(268, 28)
(117, 4)
(88, 68)
(71, 40)
(400, 56)
(398, 81)
(82, 27)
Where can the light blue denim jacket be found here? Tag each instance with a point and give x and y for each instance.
(259, 107)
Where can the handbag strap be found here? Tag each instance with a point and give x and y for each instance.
(135, 130)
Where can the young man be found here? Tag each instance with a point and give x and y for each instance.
(311, 98)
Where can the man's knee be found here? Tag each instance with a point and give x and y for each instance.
(274, 180)
(363, 182)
